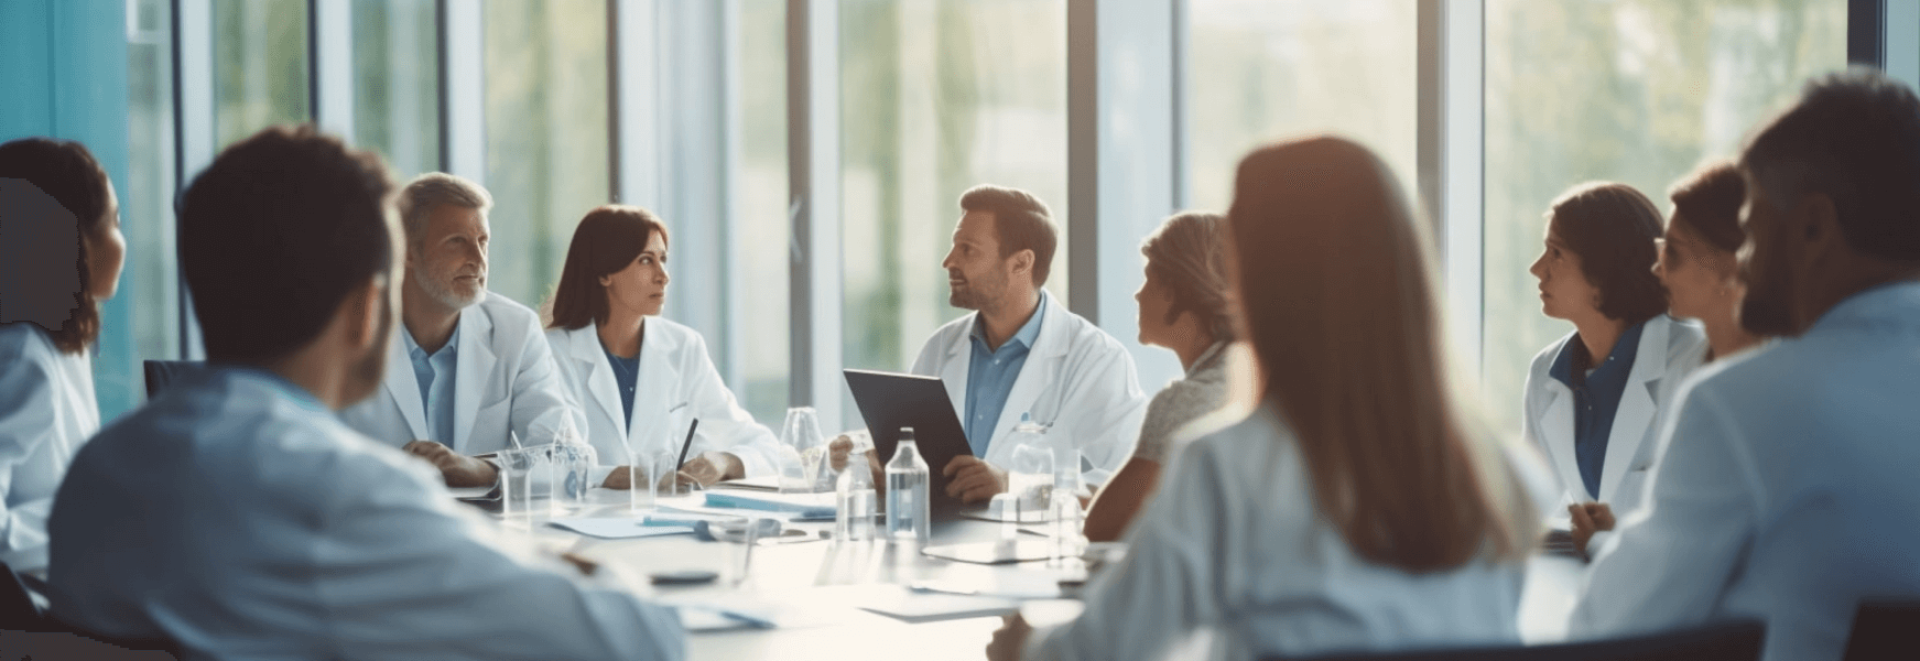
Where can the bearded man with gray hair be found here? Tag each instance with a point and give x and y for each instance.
(469, 367)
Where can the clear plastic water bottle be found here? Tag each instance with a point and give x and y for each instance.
(853, 517)
(909, 512)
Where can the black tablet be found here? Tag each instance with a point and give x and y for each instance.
(890, 401)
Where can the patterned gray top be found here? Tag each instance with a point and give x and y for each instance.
(1203, 391)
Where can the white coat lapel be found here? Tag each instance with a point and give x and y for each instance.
(475, 369)
(1637, 408)
(590, 359)
(656, 392)
(404, 388)
(953, 374)
(1557, 426)
(1040, 373)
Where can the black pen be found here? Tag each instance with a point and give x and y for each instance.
(686, 444)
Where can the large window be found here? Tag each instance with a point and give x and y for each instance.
(547, 135)
(1635, 91)
(762, 239)
(147, 289)
(260, 66)
(937, 97)
(396, 78)
(1266, 69)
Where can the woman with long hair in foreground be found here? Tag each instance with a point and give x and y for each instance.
(1356, 508)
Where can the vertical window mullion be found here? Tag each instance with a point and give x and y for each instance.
(813, 157)
(1451, 138)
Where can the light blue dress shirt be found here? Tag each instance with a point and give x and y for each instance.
(358, 554)
(435, 374)
(1786, 493)
(990, 376)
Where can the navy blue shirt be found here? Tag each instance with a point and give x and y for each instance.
(626, 371)
(1596, 397)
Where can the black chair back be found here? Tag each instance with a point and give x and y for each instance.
(1739, 640)
(163, 373)
(19, 610)
(1885, 630)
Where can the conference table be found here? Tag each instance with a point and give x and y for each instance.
(817, 586)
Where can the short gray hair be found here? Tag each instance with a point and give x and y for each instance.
(433, 190)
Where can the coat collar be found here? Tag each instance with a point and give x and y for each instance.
(1036, 376)
(1635, 414)
(475, 362)
(653, 386)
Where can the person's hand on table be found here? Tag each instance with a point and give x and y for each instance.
(1589, 518)
(973, 480)
(678, 482)
(710, 467)
(1007, 641)
(585, 566)
(457, 469)
(838, 450)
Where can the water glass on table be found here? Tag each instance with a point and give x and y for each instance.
(650, 475)
(573, 477)
(516, 486)
(803, 453)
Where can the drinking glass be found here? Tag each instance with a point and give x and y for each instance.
(1030, 480)
(516, 487)
(803, 453)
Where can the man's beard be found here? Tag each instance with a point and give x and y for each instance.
(443, 291)
(1765, 310)
(1765, 316)
(973, 297)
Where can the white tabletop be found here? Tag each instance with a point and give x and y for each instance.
(805, 572)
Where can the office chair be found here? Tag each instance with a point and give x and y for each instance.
(1738, 640)
(19, 610)
(1884, 629)
(162, 373)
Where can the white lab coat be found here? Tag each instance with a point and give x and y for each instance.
(1233, 546)
(238, 517)
(504, 379)
(47, 411)
(1787, 490)
(1669, 350)
(1077, 378)
(676, 384)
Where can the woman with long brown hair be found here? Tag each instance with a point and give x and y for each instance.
(641, 379)
(1356, 508)
(61, 256)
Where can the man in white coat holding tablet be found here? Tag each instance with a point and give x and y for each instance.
(1023, 352)
(237, 518)
(466, 367)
